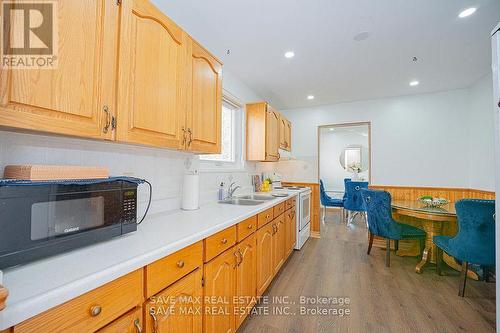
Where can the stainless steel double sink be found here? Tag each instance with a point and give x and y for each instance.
(248, 200)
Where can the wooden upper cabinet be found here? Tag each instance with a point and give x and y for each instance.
(282, 131)
(263, 134)
(152, 77)
(204, 114)
(70, 98)
(288, 135)
(272, 134)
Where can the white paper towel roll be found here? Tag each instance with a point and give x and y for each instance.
(191, 192)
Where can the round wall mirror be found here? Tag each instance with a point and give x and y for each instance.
(354, 158)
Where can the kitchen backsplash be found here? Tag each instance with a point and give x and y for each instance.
(163, 168)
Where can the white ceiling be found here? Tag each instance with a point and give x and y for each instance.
(328, 63)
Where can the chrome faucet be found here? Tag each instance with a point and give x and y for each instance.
(232, 189)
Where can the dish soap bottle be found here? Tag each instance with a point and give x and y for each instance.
(220, 194)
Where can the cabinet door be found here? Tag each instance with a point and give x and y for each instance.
(220, 288)
(272, 134)
(70, 98)
(178, 308)
(290, 233)
(278, 243)
(265, 272)
(205, 102)
(246, 281)
(128, 323)
(282, 131)
(288, 136)
(152, 79)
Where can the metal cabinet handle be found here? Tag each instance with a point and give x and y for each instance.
(241, 256)
(95, 310)
(180, 264)
(268, 216)
(190, 132)
(237, 259)
(155, 322)
(250, 227)
(137, 325)
(183, 136)
(108, 119)
(224, 241)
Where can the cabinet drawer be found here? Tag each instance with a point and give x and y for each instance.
(91, 311)
(265, 217)
(290, 203)
(220, 242)
(279, 209)
(166, 271)
(246, 228)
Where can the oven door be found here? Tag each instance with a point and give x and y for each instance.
(305, 209)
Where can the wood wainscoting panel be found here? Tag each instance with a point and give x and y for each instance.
(315, 206)
(452, 194)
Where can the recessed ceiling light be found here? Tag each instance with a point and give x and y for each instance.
(331, 129)
(467, 12)
(310, 97)
(289, 54)
(414, 83)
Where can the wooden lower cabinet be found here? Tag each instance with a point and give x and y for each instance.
(246, 280)
(220, 289)
(290, 231)
(178, 308)
(130, 322)
(265, 271)
(278, 243)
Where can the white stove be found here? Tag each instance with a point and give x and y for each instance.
(303, 213)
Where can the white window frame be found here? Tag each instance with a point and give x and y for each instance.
(239, 139)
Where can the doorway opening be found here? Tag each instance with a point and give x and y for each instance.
(344, 151)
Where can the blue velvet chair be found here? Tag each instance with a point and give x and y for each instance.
(381, 223)
(353, 202)
(475, 240)
(327, 201)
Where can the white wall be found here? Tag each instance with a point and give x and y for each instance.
(163, 168)
(481, 136)
(332, 145)
(419, 140)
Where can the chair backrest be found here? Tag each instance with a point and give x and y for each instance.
(476, 229)
(354, 201)
(322, 193)
(345, 186)
(378, 207)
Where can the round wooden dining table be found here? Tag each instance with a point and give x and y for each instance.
(435, 221)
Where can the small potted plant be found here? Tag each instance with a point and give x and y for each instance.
(355, 168)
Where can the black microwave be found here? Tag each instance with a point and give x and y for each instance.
(38, 220)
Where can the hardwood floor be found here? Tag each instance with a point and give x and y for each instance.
(382, 299)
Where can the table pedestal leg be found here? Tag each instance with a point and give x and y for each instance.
(431, 228)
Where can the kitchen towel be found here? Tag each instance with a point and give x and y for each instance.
(191, 192)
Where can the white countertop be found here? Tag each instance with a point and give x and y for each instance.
(41, 285)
